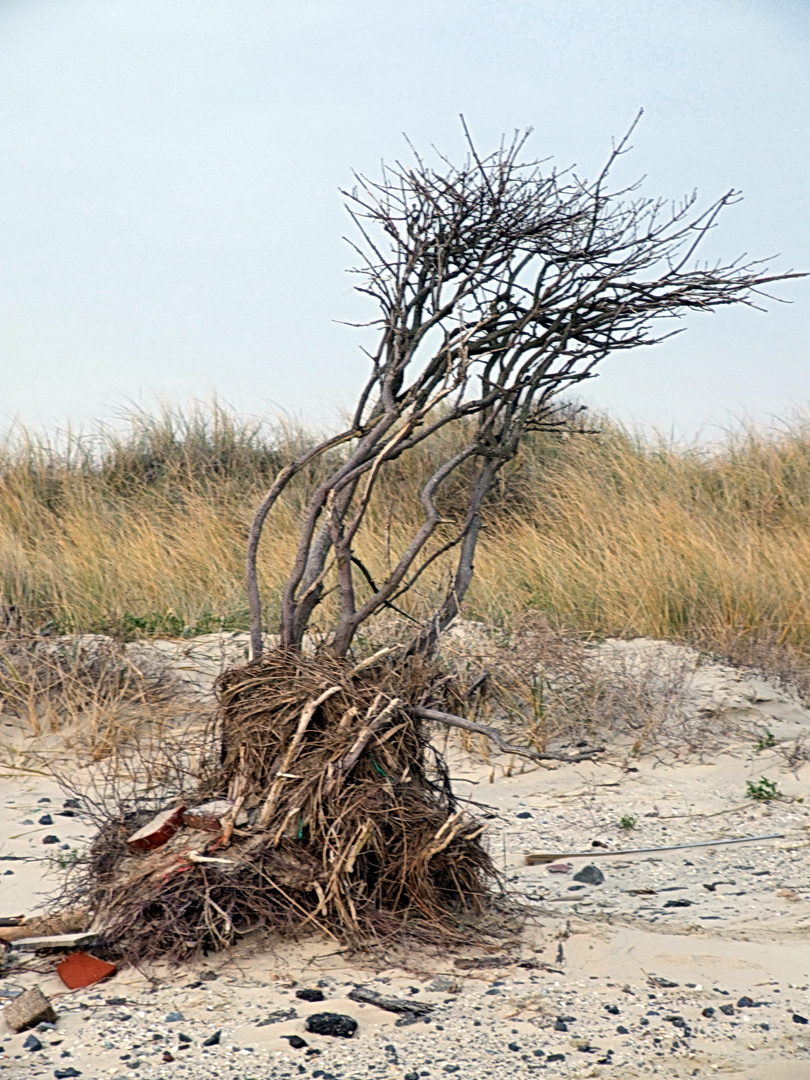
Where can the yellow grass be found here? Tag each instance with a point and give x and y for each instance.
(611, 534)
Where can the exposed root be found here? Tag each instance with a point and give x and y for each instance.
(336, 822)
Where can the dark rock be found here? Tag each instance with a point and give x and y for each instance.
(676, 1021)
(451, 1068)
(556, 1057)
(797, 1019)
(329, 1023)
(46, 819)
(560, 1025)
(208, 976)
(295, 1041)
(65, 813)
(524, 814)
(116, 1001)
(66, 1074)
(213, 1040)
(746, 1002)
(310, 995)
(708, 1011)
(574, 888)
(174, 1017)
(50, 839)
(590, 875)
(680, 902)
(513, 1046)
(622, 1030)
(727, 1009)
(72, 804)
(32, 1043)
(410, 1076)
(183, 1038)
(658, 980)
(539, 1053)
(614, 1010)
(167, 1057)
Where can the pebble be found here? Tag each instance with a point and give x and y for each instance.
(213, 1040)
(797, 1019)
(590, 875)
(32, 1043)
(46, 819)
(50, 839)
(310, 995)
(329, 1023)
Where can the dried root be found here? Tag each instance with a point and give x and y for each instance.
(339, 821)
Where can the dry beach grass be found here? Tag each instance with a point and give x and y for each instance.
(141, 531)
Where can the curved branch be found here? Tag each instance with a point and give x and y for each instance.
(451, 720)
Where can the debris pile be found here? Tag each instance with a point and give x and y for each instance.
(326, 809)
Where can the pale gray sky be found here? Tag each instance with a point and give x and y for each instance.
(169, 169)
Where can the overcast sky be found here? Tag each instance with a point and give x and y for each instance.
(170, 215)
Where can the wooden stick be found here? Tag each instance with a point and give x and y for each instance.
(594, 853)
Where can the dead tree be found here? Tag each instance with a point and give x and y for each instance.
(499, 286)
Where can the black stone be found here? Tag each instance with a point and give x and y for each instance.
(590, 875)
(213, 1040)
(116, 1001)
(310, 995)
(746, 1002)
(32, 1043)
(622, 1030)
(72, 804)
(680, 902)
(513, 1046)
(183, 1038)
(329, 1023)
(561, 1025)
(63, 813)
(50, 839)
(708, 1011)
(614, 1010)
(727, 1009)
(295, 1041)
(797, 1019)
(66, 1074)
(408, 1076)
(524, 814)
(556, 1057)
(46, 819)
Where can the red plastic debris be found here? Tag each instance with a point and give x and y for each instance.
(157, 831)
(81, 969)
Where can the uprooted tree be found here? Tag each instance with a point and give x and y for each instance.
(498, 287)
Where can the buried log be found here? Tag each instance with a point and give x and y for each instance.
(339, 816)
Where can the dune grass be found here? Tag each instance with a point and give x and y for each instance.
(140, 531)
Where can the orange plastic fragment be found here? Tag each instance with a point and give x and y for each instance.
(81, 969)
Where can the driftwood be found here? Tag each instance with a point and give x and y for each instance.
(543, 857)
